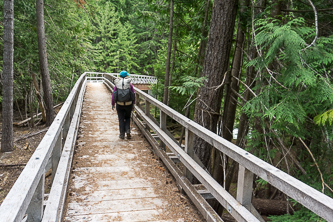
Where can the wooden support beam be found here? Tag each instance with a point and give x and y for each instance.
(35, 208)
(245, 189)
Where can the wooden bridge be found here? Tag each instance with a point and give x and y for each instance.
(99, 177)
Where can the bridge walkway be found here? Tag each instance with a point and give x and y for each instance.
(119, 180)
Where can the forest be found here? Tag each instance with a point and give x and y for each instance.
(256, 72)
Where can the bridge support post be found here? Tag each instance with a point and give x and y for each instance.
(244, 191)
(66, 127)
(163, 118)
(56, 154)
(35, 208)
(189, 150)
(147, 108)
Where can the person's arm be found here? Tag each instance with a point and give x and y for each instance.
(113, 102)
(132, 89)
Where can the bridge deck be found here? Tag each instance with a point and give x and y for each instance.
(118, 180)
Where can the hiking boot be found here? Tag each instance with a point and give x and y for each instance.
(122, 136)
(128, 136)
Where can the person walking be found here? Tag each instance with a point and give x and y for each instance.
(123, 97)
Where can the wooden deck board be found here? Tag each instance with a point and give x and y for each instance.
(107, 182)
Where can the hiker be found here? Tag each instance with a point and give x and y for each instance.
(124, 96)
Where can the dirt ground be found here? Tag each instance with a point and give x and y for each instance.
(12, 163)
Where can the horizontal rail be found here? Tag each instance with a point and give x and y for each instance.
(27, 194)
(309, 197)
(55, 203)
(136, 79)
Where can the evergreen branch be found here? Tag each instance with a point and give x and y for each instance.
(314, 160)
(316, 24)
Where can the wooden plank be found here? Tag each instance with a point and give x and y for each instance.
(239, 212)
(309, 197)
(123, 184)
(17, 200)
(146, 215)
(117, 194)
(56, 200)
(205, 209)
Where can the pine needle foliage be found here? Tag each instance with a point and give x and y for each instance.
(298, 85)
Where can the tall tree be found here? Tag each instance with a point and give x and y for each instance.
(167, 69)
(44, 68)
(216, 64)
(8, 70)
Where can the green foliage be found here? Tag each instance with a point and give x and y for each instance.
(298, 216)
(326, 117)
(301, 88)
(189, 86)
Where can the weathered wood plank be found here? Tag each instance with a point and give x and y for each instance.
(204, 208)
(144, 215)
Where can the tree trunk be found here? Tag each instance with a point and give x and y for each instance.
(44, 69)
(203, 42)
(39, 97)
(216, 63)
(8, 70)
(167, 69)
(172, 64)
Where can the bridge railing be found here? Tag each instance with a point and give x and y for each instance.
(240, 208)
(136, 79)
(25, 201)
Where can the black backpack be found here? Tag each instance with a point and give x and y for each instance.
(124, 95)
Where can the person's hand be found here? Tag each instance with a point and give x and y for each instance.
(112, 107)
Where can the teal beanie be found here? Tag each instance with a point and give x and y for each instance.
(123, 74)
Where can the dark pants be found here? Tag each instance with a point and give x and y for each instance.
(124, 117)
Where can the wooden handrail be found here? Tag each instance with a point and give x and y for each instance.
(309, 197)
(27, 194)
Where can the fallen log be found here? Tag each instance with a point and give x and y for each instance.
(270, 207)
(27, 120)
(30, 135)
(12, 165)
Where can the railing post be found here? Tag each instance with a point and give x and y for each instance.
(137, 99)
(244, 186)
(56, 154)
(245, 189)
(163, 118)
(189, 150)
(35, 208)
(66, 127)
(147, 110)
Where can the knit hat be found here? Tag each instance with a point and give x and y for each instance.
(124, 74)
